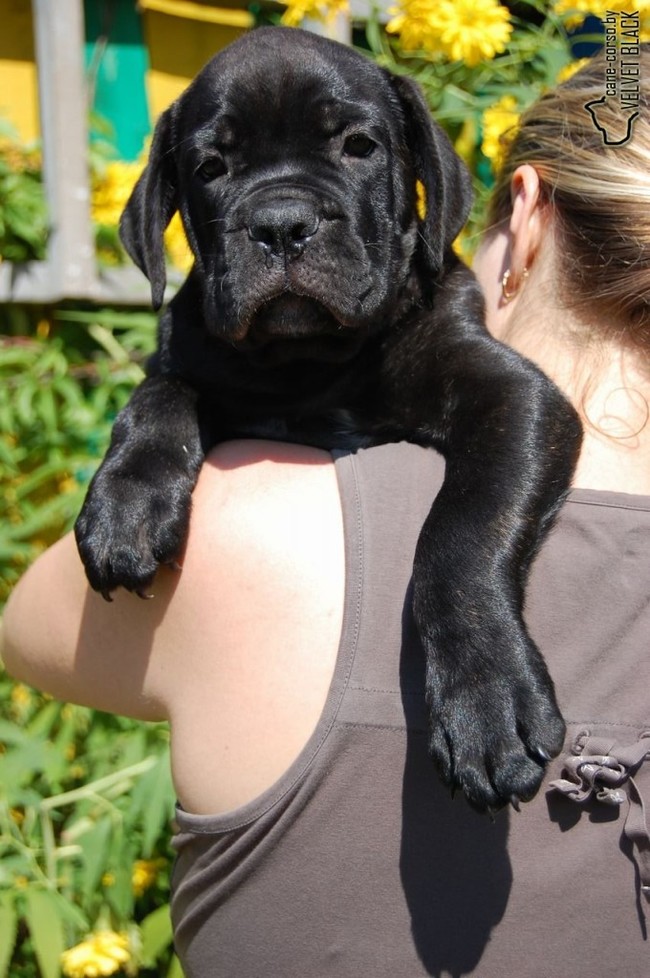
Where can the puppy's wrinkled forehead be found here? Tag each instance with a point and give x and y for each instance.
(291, 78)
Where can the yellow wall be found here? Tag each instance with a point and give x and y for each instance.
(178, 48)
(18, 83)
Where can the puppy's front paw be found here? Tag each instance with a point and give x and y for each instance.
(492, 735)
(128, 526)
(494, 720)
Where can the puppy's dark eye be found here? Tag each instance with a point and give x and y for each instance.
(211, 168)
(359, 146)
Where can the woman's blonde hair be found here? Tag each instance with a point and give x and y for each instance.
(600, 193)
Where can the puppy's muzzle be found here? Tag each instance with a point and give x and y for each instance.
(283, 227)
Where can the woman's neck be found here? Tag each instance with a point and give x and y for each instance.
(610, 390)
(615, 412)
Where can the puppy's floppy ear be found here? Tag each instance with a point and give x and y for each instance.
(443, 175)
(150, 208)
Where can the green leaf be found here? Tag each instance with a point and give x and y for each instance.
(70, 913)
(11, 734)
(120, 895)
(156, 787)
(17, 767)
(13, 866)
(8, 929)
(46, 930)
(175, 970)
(135, 749)
(95, 846)
(44, 720)
(46, 407)
(24, 401)
(156, 932)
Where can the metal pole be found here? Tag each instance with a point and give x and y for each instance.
(59, 38)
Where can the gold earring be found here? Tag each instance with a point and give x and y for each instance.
(505, 281)
(507, 296)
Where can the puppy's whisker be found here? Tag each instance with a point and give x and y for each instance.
(171, 150)
(425, 242)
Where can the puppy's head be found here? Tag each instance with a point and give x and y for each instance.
(293, 161)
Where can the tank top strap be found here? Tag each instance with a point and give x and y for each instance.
(386, 494)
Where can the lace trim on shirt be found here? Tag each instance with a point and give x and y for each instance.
(610, 773)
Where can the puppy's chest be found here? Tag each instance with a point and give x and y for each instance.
(337, 428)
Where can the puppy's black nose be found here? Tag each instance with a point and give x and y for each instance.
(284, 227)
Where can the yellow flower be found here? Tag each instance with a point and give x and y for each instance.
(110, 193)
(420, 199)
(177, 246)
(571, 69)
(19, 158)
(576, 7)
(145, 872)
(68, 484)
(597, 8)
(102, 953)
(461, 30)
(297, 10)
(21, 696)
(499, 126)
(43, 329)
(323, 10)
(112, 190)
(574, 12)
(465, 245)
(411, 21)
(465, 143)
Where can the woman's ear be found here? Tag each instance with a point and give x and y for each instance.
(526, 223)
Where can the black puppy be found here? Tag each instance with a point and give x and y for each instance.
(322, 309)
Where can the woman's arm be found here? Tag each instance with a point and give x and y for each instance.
(63, 638)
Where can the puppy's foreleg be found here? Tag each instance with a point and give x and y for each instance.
(511, 441)
(136, 513)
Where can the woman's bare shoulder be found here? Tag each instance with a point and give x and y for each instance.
(260, 515)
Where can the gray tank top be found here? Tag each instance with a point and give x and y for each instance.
(358, 864)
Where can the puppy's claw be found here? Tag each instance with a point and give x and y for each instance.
(542, 754)
(174, 565)
(106, 595)
(144, 595)
(514, 801)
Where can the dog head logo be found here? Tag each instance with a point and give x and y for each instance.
(614, 122)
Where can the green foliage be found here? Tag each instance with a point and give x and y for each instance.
(85, 812)
(59, 393)
(23, 209)
(24, 225)
(461, 95)
(83, 796)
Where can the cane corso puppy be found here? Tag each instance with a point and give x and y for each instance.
(323, 307)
